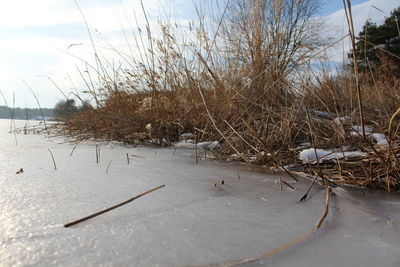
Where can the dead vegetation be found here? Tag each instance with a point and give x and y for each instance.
(246, 78)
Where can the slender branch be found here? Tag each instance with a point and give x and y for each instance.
(113, 207)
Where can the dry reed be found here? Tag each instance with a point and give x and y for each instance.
(237, 81)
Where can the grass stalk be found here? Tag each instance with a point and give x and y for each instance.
(108, 166)
(111, 208)
(52, 157)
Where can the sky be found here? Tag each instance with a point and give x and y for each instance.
(43, 43)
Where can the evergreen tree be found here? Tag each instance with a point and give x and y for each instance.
(374, 40)
(366, 50)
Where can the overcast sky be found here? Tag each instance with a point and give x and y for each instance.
(37, 38)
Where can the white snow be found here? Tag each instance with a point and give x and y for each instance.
(379, 138)
(341, 120)
(186, 136)
(310, 155)
(357, 130)
(208, 145)
(211, 145)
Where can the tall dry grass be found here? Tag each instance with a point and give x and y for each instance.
(244, 77)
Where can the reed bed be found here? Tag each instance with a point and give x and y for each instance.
(246, 78)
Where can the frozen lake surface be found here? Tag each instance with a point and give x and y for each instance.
(188, 222)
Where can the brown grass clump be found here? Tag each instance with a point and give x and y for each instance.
(246, 81)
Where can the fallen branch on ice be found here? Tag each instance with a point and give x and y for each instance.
(113, 207)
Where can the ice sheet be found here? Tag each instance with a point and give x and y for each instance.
(189, 222)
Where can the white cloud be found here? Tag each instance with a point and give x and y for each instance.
(19, 13)
(37, 45)
(31, 54)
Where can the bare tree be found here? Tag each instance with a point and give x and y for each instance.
(269, 39)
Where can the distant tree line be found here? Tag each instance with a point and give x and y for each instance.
(65, 109)
(25, 113)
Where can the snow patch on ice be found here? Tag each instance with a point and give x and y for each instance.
(357, 130)
(211, 145)
(186, 136)
(311, 155)
(379, 138)
(208, 145)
